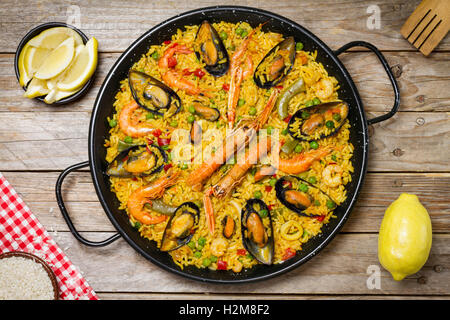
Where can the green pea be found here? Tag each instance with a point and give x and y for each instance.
(150, 116)
(184, 166)
(285, 132)
(253, 171)
(305, 115)
(312, 180)
(197, 254)
(272, 182)
(333, 157)
(316, 101)
(309, 103)
(252, 111)
(316, 203)
(298, 46)
(201, 241)
(155, 55)
(298, 148)
(337, 117)
(263, 213)
(314, 145)
(329, 124)
(190, 118)
(223, 35)
(191, 244)
(112, 123)
(241, 102)
(269, 129)
(128, 139)
(174, 124)
(257, 194)
(249, 256)
(137, 225)
(206, 262)
(239, 30)
(213, 259)
(191, 109)
(303, 187)
(244, 33)
(330, 204)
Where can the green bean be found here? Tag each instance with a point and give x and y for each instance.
(289, 145)
(287, 94)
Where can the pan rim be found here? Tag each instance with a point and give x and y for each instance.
(97, 174)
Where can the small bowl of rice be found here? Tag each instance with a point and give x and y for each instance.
(24, 276)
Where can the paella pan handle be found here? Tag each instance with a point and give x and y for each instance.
(386, 68)
(66, 216)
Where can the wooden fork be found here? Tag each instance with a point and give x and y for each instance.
(428, 25)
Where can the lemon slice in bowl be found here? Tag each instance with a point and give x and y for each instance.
(53, 37)
(25, 76)
(34, 58)
(36, 88)
(56, 95)
(57, 61)
(82, 68)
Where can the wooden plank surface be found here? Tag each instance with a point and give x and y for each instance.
(117, 23)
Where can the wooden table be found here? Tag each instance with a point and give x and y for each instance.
(408, 153)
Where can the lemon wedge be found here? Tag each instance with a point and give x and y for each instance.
(53, 37)
(36, 88)
(25, 76)
(34, 58)
(56, 95)
(57, 61)
(82, 68)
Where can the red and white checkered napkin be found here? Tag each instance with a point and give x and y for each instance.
(20, 230)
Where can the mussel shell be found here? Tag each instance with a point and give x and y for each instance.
(219, 66)
(315, 110)
(280, 190)
(196, 133)
(262, 254)
(169, 242)
(137, 78)
(207, 113)
(261, 79)
(116, 167)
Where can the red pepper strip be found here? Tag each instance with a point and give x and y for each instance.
(163, 141)
(221, 265)
(287, 118)
(289, 253)
(279, 87)
(241, 252)
(187, 72)
(199, 73)
(172, 62)
(157, 132)
(226, 86)
(268, 189)
(320, 218)
(270, 206)
(167, 166)
(167, 42)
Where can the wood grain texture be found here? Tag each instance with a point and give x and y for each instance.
(53, 141)
(341, 268)
(379, 190)
(117, 23)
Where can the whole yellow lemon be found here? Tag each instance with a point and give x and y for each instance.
(404, 241)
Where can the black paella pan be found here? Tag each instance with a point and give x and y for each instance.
(103, 108)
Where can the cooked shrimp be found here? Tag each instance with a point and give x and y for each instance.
(332, 175)
(248, 71)
(324, 89)
(219, 247)
(128, 126)
(237, 266)
(171, 77)
(145, 194)
(302, 162)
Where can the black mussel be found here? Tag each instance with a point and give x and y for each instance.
(229, 226)
(137, 160)
(161, 207)
(181, 227)
(298, 195)
(210, 50)
(208, 113)
(317, 122)
(196, 133)
(257, 231)
(152, 94)
(276, 64)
